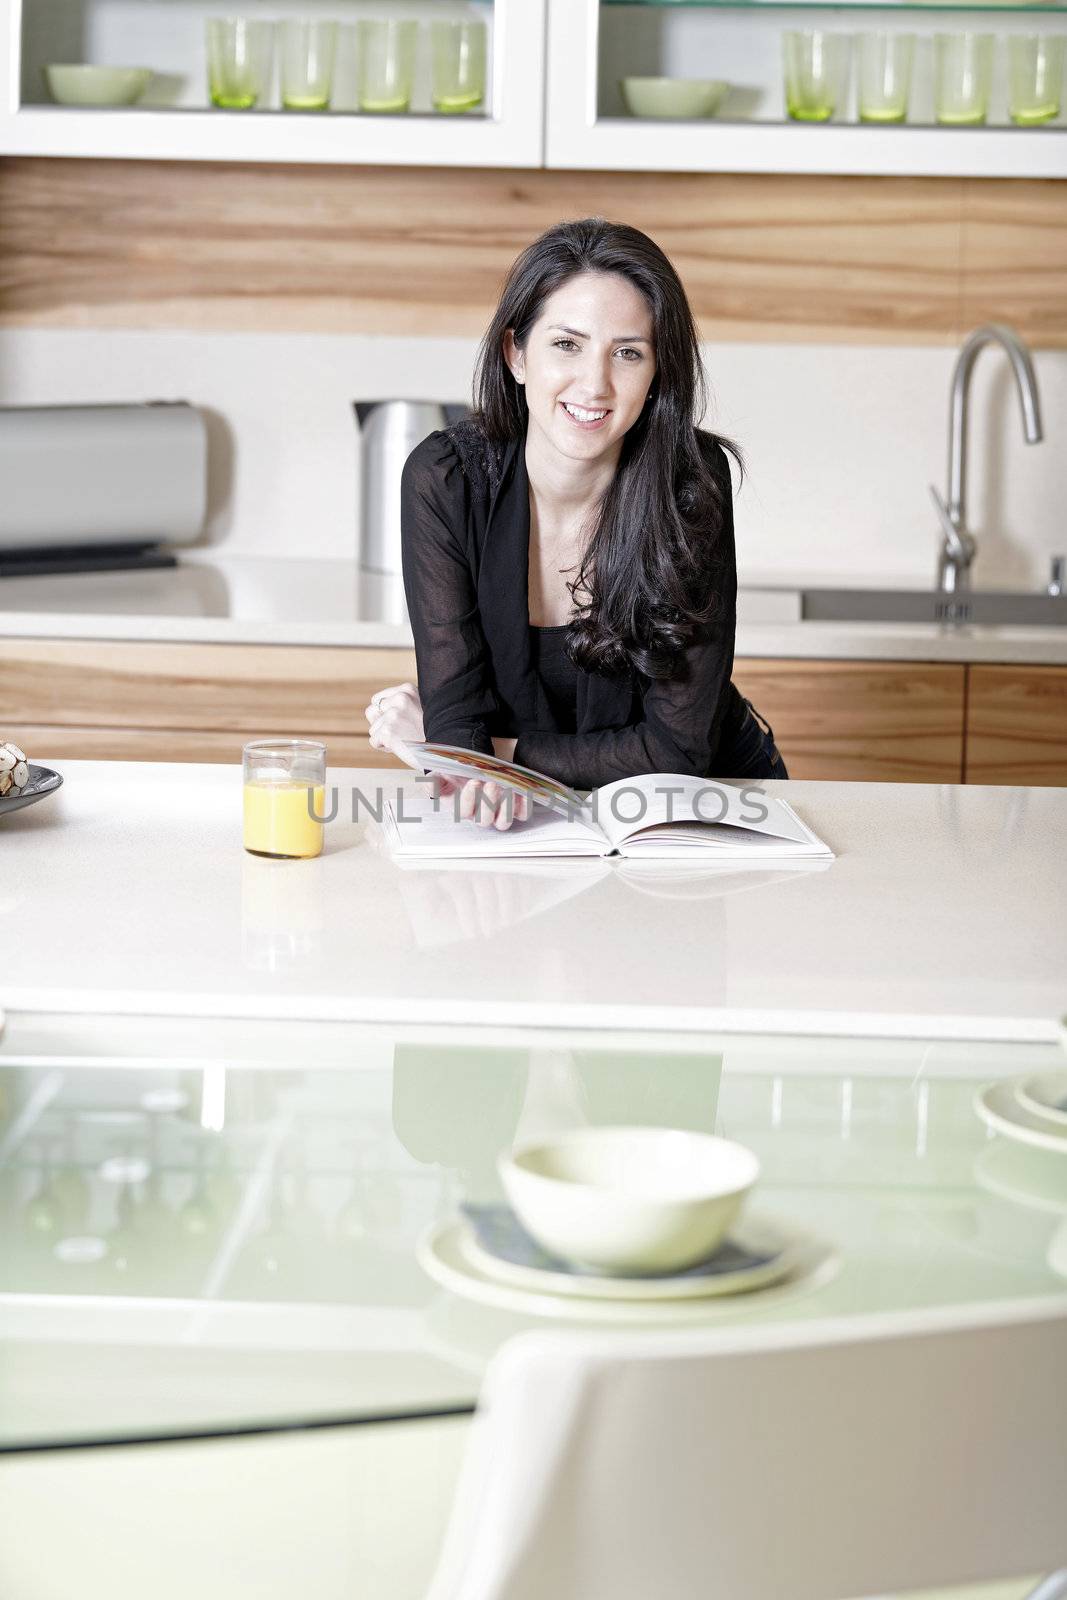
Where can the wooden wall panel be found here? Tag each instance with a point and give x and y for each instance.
(1017, 726)
(423, 251)
(861, 721)
(1013, 253)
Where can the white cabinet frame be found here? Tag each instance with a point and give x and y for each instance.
(575, 137)
(511, 137)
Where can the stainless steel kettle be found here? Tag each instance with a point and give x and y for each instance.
(389, 431)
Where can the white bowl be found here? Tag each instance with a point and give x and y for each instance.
(673, 97)
(1045, 1095)
(81, 84)
(629, 1199)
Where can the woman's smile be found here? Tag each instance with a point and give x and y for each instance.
(586, 418)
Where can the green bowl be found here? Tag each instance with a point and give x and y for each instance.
(79, 84)
(673, 97)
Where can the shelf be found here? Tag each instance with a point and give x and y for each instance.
(270, 136)
(630, 144)
(917, 6)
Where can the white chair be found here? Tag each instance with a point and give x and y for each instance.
(809, 1462)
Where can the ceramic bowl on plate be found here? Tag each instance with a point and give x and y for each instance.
(1045, 1094)
(629, 1199)
(82, 84)
(673, 97)
(1000, 1108)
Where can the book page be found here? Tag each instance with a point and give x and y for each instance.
(423, 827)
(455, 762)
(668, 810)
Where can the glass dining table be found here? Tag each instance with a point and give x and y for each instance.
(215, 1228)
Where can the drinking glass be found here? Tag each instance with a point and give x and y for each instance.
(816, 70)
(307, 63)
(885, 76)
(963, 67)
(386, 64)
(458, 65)
(1035, 73)
(284, 797)
(239, 59)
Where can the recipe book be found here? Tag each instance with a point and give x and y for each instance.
(659, 816)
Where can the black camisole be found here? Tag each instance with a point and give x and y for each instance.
(558, 674)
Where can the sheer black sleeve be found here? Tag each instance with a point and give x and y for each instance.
(455, 681)
(682, 716)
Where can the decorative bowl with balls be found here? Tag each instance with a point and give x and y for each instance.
(21, 781)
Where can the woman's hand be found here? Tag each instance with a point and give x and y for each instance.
(489, 804)
(394, 713)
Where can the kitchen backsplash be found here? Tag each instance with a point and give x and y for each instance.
(840, 441)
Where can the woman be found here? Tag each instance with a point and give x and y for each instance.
(568, 552)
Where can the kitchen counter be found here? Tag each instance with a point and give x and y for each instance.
(128, 891)
(244, 600)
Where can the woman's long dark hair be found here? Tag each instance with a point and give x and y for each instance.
(649, 575)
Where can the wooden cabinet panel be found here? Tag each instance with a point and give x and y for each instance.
(55, 741)
(199, 702)
(188, 702)
(877, 721)
(1017, 725)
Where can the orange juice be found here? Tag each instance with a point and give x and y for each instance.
(277, 820)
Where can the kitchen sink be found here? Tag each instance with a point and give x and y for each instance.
(990, 607)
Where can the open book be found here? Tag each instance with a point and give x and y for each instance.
(657, 816)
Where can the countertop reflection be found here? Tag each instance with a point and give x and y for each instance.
(214, 1226)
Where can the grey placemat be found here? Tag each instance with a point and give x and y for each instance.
(501, 1234)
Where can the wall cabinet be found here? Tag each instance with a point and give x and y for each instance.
(175, 119)
(553, 93)
(593, 44)
(880, 721)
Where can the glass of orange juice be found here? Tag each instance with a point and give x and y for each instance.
(284, 797)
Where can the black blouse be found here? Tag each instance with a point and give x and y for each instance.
(465, 511)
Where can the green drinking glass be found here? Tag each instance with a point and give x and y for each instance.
(386, 65)
(816, 71)
(239, 60)
(308, 49)
(885, 76)
(1035, 77)
(963, 70)
(457, 65)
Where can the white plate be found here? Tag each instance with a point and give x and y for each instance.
(439, 1253)
(998, 1106)
(1045, 1094)
(756, 1235)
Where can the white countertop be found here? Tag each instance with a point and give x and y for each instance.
(943, 916)
(209, 598)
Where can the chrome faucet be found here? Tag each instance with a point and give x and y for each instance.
(958, 549)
